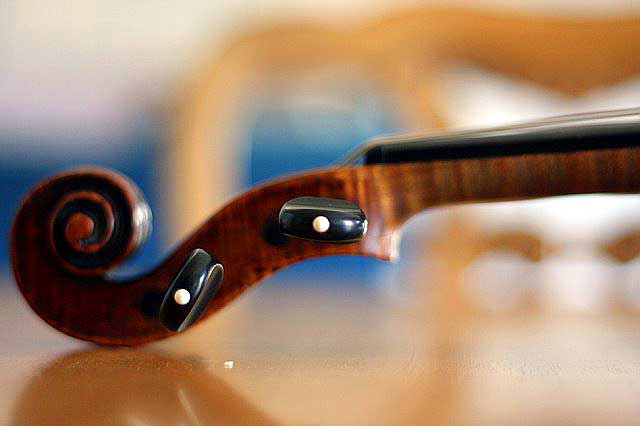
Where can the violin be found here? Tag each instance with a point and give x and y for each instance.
(72, 229)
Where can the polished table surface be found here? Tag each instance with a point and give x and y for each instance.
(326, 357)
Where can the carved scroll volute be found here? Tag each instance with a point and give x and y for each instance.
(70, 231)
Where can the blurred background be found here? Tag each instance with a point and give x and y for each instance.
(509, 313)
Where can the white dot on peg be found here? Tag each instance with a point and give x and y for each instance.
(182, 296)
(321, 224)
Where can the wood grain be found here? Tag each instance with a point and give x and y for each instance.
(98, 309)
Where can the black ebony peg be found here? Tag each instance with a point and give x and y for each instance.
(191, 290)
(323, 219)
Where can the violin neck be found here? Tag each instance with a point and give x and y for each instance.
(596, 153)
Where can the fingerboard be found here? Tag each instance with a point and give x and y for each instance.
(574, 133)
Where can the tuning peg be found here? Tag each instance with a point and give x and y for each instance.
(327, 220)
(190, 291)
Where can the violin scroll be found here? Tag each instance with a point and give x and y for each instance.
(69, 232)
(75, 227)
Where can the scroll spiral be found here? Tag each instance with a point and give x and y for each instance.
(90, 220)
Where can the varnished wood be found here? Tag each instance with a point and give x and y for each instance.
(98, 309)
(79, 228)
(93, 223)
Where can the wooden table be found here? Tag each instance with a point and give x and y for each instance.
(326, 357)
